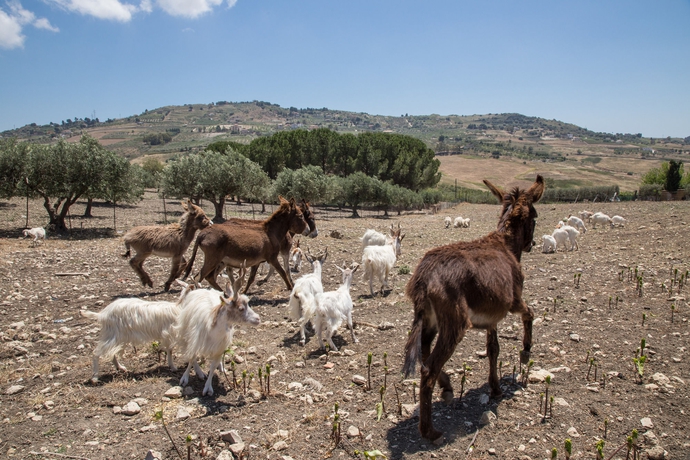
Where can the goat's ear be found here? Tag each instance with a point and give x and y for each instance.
(229, 294)
(355, 266)
(498, 193)
(537, 189)
(401, 237)
(184, 205)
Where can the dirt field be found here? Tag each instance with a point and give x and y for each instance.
(46, 346)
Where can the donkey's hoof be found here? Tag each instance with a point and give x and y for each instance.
(447, 397)
(436, 437)
(524, 356)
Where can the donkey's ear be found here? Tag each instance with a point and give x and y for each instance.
(537, 189)
(281, 200)
(498, 193)
(185, 206)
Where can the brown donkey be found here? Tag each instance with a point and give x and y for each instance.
(232, 244)
(470, 284)
(169, 241)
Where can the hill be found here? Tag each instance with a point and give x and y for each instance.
(469, 146)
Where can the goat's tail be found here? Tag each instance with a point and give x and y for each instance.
(190, 264)
(413, 347)
(89, 314)
(297, 300)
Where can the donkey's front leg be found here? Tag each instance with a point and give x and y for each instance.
(492, 350)
(527, 319)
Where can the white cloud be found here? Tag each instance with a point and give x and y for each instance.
(102, 9)
(188, 8)
(231, 3)
(12, 24)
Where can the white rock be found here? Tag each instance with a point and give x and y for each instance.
(573, 432)
(153, 455)
(359, 380)
(537, 376)
(117, 409)
(660, 379)
(231, 436)
(487, 418)
(352, 431)
(131, 408)
(284, 434)
(14, 389)
(49, 405)
(575, 337)
(555, 370)
(225, 455)
(173, 393)
(295, 386)
(182, 414)
(237, 448)
(410, 410)
(647, 423)
(561, 402)
(280, 445)
(650, 438)
(484, 398)
(349, 352)
(656, 453)
(652, 386)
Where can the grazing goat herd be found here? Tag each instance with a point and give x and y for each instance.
(454, 287)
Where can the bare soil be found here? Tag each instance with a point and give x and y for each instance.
(46, 346)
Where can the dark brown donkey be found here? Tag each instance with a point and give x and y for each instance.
(232, 244)
(465, 285)
(168, 241)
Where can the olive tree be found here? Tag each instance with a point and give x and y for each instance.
(308, 183)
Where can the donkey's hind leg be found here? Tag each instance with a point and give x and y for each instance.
(137, 264)
(527, 315)
(492, 350)
(178, 265)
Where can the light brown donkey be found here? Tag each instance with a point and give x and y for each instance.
(470, 284)
(168, 241)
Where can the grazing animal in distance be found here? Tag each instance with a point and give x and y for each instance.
(601, 218)
(618, 221)
(168, 241)
(470, 284)
(37, 233)
(577, 223)
(549, 245)
(447, 221)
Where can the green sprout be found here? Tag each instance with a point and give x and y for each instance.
(600, 449)
(369, 357)
(554, 453)
(158, 415)
(568, 448)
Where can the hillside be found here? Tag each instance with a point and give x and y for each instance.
(508, 145)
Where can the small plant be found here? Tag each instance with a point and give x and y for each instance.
(373, 454)
(268, 379)
(404, 270)
(576, 279)
(600, 449)
(639, 366)
(244, 382)
(606, 427)
(568, 448)
(644, 317)
(188, 442)
(547, 380)
(234, 377)
(382, 392)
(158, 415)
(673, 309)
(525, 376)
(156, 348)
(554, 453)
(369, 357)
(335, 430)
(414, 392)
(397, 398)
(589, 369)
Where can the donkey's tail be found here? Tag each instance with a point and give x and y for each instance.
(127, 253)
(413, 347)
(190, 264)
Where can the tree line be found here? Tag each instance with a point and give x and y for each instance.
(390, 171)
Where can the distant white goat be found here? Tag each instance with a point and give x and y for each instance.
(379, 260)
(618, 221)
(296, 255)
(38, 233)
(561, 237)
(577, 223)
(585, 215)
(447, 221)
(461, 222)
(137, 322)
(573, 233)
(206, 324)
(334, 307)
(601, 218)
(302, 305)
(549, 244)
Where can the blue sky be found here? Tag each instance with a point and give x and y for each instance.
(611, 66)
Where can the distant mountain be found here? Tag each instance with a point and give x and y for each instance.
(170, 130)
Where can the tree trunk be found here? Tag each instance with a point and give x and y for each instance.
(87, 211)
(354, 212)
(219, 207)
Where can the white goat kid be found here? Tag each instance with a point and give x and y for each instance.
(334, 307)
(461, 222)
(37, 233)
(573, 233)
(618, 221)
(137, 322)
(206, 325)
(379, 261)
(447, 221)
(577, 223)
(585, 215)
(550, 244)
(601, 218)
(302, 305)
(561, 238)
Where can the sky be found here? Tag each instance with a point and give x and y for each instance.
(608, 66)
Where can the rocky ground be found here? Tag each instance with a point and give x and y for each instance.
(587, 304)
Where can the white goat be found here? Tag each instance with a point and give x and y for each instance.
(561, 237)
(135, 321)
(205, 326)
(577, 223)
(601, 218)
(447, 221)
(461, 222)
(585, 215)
(334, 307)
(302, 305)
(379, 261)
(618, 221)
(573, 233)
(296, 255)
(374, 238)
(38, 233)
(550, 244)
